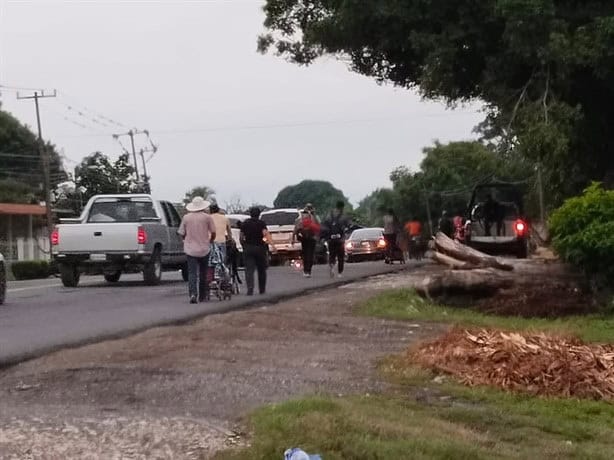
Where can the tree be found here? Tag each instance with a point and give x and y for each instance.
(20, 164)
(97, 174)
(447, 175)
(206, 192)
(323, 195)
(543, 68)
(235, 205)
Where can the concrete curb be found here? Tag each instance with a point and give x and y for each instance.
(220, 308)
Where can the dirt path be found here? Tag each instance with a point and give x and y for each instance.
(177, 392)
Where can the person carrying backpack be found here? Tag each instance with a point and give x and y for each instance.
(306, 230)
(334, 228)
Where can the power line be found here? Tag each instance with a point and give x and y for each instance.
(279, 125)
(85, 108)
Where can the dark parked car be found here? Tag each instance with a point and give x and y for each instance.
(365, 244)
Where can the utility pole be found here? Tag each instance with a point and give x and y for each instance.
(131, 134)
(44, 155)
(142, 152)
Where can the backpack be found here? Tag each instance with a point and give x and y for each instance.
(335, 228)
(309, 227)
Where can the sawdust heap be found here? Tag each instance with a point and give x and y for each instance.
(536, 363)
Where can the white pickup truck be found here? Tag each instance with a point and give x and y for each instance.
(116, 234)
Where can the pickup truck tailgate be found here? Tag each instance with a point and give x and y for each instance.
(96, 237)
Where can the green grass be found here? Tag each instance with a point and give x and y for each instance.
(421, 419)
(454, 423)
(405, 304)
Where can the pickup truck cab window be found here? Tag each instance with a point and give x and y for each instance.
(127, 210)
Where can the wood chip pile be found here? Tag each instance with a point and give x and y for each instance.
(536, 363)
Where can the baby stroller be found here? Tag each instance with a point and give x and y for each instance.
(218, 276)
(394, 250)
(232, 262)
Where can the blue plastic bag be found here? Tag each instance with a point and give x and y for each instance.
(299, 454)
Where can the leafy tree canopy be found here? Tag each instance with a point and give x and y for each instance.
(97, 174)
(447, 175)
(206, 192)
(544, 68)
(323, 195)
(20, 165)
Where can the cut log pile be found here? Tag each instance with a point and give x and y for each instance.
(536, 363)
(470, 270)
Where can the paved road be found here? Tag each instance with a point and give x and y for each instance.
(41, 316)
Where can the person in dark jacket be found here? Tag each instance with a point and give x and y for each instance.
(334, 230)
(445, 224)
(255, 238)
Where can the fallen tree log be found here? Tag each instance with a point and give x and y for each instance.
(481, 281)
(459, 251)
(452, 262)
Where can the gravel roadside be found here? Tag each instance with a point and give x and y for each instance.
(179, 392)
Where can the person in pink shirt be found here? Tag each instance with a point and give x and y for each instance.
(198, 231)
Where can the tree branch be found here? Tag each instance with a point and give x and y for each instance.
(518, 102)
(545, 98)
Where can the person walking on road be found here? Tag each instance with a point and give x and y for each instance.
(222, 229)
(306, 230)
(254, 238)
(335, 228)
(198, 231)
(391, 232)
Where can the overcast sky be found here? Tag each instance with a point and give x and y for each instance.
(223, 115)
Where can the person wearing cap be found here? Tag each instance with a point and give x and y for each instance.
(306, 230)
(254, 239)
(223, 233)
(198, 231)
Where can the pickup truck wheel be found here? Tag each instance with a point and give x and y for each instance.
(152, 273)
(2, 284)
(113, 277)
(70, 275)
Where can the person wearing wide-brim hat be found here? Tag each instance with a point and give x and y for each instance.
(198, 231)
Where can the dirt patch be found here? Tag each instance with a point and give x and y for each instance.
(545, 298)
(538, 290)
(156, 391)
(539, 364)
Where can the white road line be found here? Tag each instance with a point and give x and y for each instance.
(44, 286)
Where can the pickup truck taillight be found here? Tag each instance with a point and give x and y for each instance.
(520, 227)
(141, 236)
(55, 237)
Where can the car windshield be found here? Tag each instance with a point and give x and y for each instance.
(280, 218)
(366, 234)
(121, 210)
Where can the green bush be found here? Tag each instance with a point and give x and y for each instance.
(31, 269)
(583, 232)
